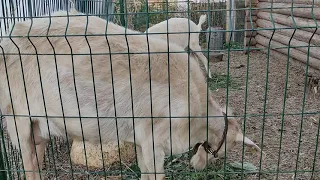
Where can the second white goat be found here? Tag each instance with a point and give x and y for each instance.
(179, 27)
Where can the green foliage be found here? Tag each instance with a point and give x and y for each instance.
(245, 166)
(219, 81)
(179, 168)
(157, 13)
(140, 19)
(232, 45)
(141, 14)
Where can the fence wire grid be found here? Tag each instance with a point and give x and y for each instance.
(264, 62)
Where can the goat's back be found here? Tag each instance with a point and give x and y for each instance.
(69, 66)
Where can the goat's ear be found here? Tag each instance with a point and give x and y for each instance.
(247, 141)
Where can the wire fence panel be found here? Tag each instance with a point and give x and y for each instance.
(21, 10)
(132, 89)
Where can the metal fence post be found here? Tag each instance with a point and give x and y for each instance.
(123, 22)
(103, 9)
(109, 6)
(215, 41)
(30, 8)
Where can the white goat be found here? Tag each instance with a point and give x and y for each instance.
(180, 28)
(76, 64)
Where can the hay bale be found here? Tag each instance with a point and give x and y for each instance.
(94, 156)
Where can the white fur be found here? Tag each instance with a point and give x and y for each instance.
(199, 160)
(180, 26)
(103, 90)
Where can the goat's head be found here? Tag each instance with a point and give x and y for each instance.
(234, 135)
(220, 139)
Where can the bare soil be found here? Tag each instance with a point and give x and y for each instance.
(293, 126)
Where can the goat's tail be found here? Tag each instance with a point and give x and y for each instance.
(202, 19)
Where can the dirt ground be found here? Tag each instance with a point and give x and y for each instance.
(274, 123)
(292, 126)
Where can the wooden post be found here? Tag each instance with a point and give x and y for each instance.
(288, 21)
(250, 20)
(301, 35)
(230, 19)
(285, 8)
(294, 53)
(307, 2)
(314, 51)
(295, 24)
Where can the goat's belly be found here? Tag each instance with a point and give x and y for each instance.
(88, 129)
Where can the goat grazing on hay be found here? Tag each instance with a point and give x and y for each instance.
(57, 70)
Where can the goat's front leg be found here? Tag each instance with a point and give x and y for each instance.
(154, 157)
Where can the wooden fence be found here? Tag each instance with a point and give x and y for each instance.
(283, 25)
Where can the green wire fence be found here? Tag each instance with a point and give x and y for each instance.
(269, 75)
